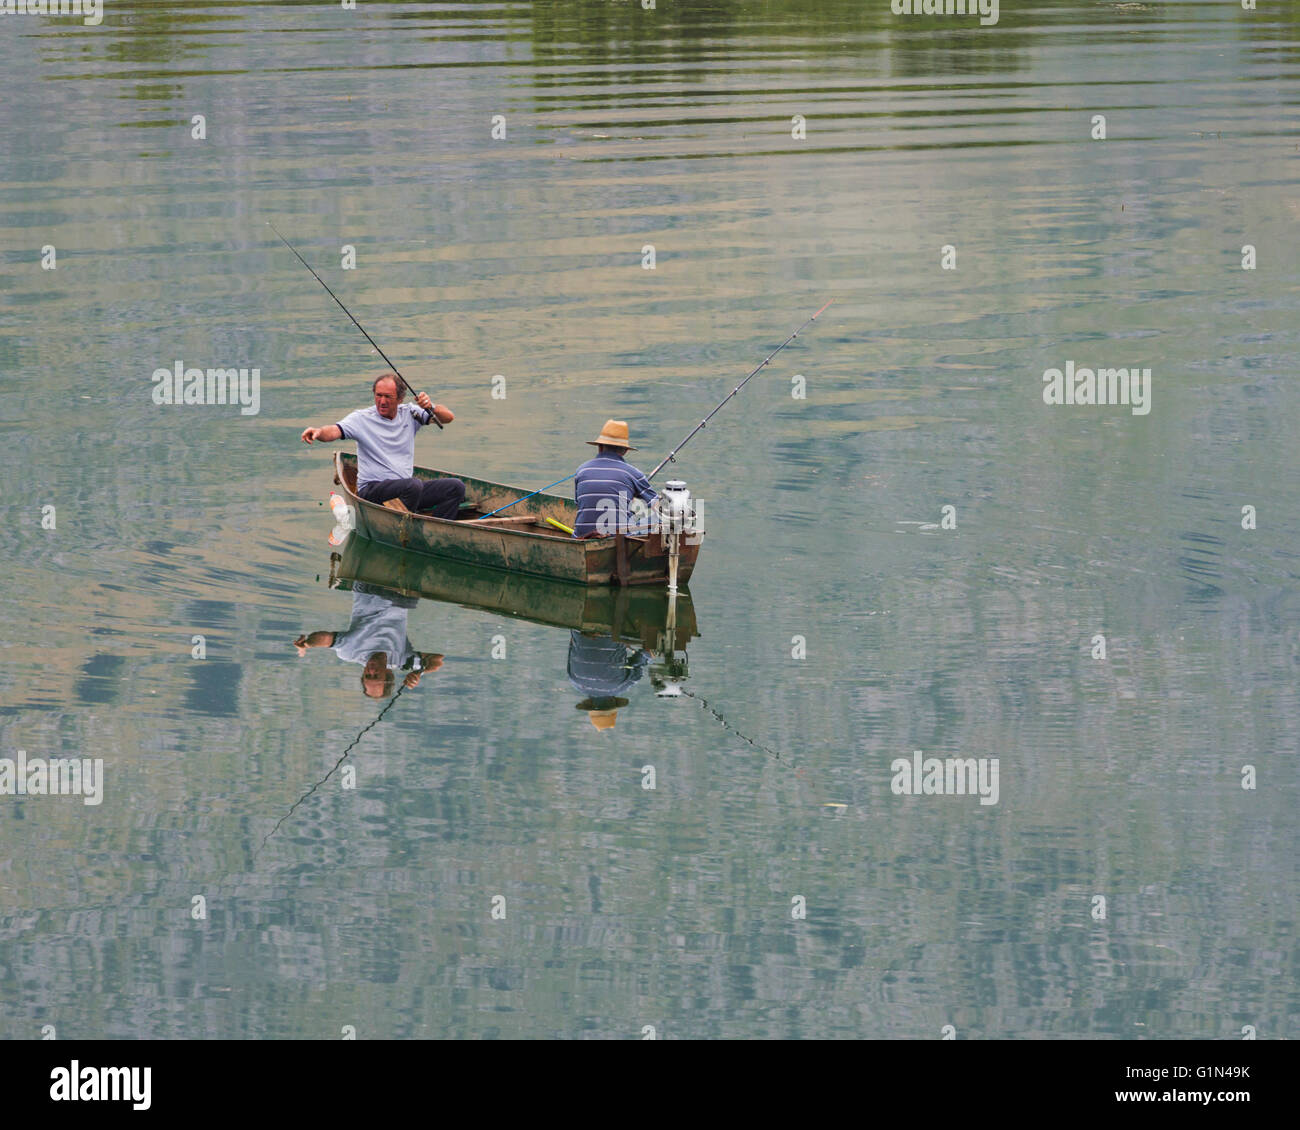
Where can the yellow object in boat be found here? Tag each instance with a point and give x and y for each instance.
(559, 526)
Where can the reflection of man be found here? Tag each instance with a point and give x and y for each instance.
(600, 667)
(377, 640)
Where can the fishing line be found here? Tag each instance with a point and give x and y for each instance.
(711, 709)
(387, 706)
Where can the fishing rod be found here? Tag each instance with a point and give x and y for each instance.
(527, 496)
(432, 415)
(701, 424)
(672, 454)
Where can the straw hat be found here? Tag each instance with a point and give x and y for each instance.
(603, 711)
(614, 434)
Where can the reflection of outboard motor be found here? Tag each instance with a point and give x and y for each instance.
(668, 675)
(671, 671)
(676, 517)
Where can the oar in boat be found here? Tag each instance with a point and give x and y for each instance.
(432, 415)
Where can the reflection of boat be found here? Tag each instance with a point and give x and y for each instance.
(520, 543)
(648, 616)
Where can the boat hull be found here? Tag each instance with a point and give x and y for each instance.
(623, 559)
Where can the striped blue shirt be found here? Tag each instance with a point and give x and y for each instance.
(604, 489)
(603, 667)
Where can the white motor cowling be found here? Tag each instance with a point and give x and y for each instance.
(677, 510)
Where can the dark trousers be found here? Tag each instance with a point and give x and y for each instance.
(439, 497)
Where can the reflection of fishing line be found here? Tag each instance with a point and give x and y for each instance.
(342, 758)
(798, 772)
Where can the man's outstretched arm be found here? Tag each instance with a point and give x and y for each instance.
(327, 434)
(316, 639)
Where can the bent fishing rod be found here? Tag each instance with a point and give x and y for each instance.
(432, 415)
(672, 454)
(698, 427)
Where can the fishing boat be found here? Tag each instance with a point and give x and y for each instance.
(529, 541)
(524, 542)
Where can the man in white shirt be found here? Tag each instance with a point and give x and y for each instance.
(385, 438)
(376, 638)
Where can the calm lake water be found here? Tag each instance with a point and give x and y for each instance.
(498, 867)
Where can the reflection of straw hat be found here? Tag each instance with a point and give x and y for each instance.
(614, 434)
(603, 711)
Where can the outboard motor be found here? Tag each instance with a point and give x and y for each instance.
(677, 507)
(677, 517)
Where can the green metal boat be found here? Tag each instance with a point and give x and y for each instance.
(521, 543)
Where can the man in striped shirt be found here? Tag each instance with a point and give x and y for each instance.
(606, 485)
